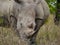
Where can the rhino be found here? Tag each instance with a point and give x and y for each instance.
(25, 16)
(40, 12)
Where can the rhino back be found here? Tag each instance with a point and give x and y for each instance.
(5, 7)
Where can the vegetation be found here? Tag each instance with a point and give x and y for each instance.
(49, 33)
(8, 37)
(52, 5)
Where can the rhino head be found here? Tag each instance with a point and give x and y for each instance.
(26, 21)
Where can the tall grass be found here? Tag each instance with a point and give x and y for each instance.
(8, 37)
(49, 33)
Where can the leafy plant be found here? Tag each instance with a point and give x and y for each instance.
(52, 5)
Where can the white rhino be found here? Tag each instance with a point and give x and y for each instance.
(26, 16)
(41, 10)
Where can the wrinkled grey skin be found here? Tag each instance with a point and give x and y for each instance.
(41, 14)
(26, 21)
(9, 8)
(25, 15)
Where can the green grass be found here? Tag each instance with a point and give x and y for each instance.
(1, 20)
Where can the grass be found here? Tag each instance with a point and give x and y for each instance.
(49, 33)
(1, 20)
(8, 37)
